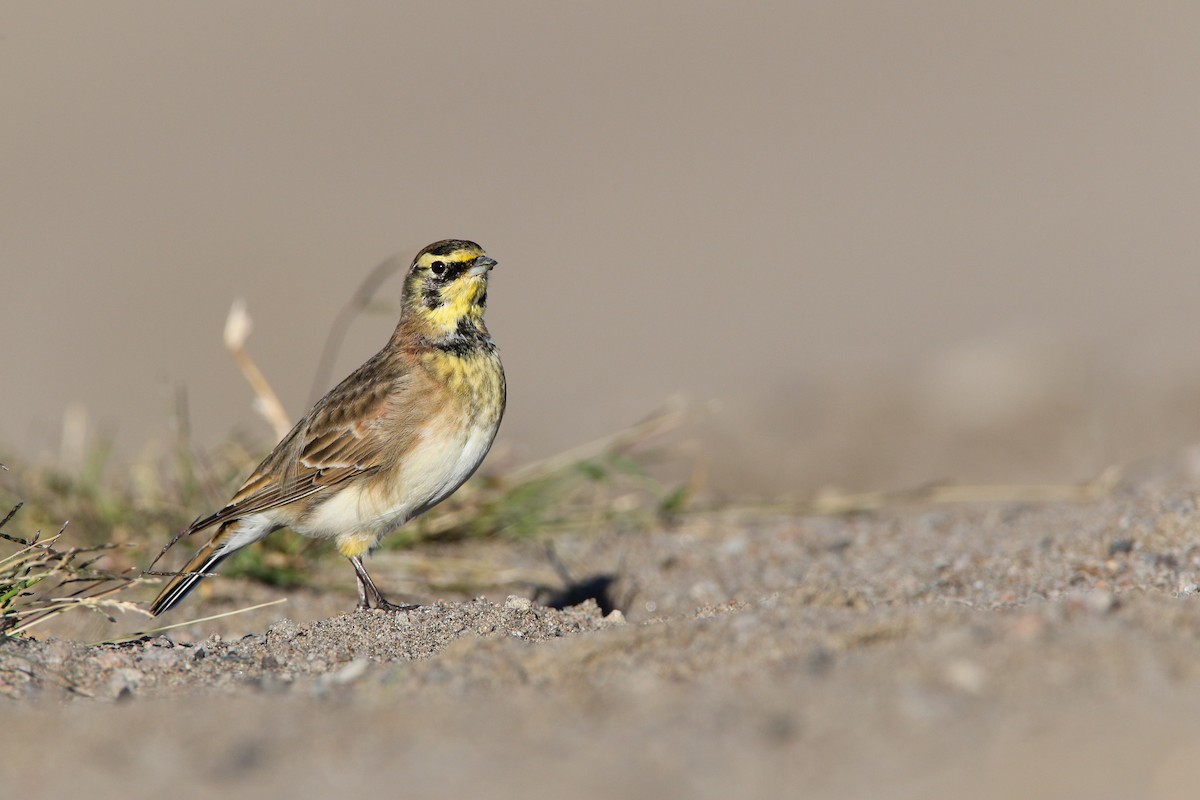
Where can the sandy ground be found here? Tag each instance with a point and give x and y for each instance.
(1004, 649)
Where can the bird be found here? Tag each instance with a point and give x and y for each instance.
(399, 435)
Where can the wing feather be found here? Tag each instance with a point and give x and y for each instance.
(344, 436)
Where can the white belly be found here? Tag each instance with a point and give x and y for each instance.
(430, 472)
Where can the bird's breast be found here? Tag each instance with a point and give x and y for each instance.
(449, 443)
(475, 379)
(456, 437)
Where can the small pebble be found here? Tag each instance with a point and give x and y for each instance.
(518, 603)
(351, 672)
(966, 676)
(1100, 601)
(123, 682)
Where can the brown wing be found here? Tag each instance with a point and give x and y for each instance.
(344, 435)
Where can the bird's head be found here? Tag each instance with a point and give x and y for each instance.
(447, 286)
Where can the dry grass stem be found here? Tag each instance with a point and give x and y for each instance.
(185, 623)
(361, 300)
(237, 329)
(837, 504)
(672, 415)
(39, 581)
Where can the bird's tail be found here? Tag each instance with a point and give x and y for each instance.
(204, 562)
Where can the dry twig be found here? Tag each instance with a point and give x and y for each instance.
(237, 329)
(39, 581)
(837, 504)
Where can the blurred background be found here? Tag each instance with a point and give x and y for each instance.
(883, 243)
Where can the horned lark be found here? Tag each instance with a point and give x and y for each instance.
(391, 441)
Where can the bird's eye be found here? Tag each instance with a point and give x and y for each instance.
(437, 268)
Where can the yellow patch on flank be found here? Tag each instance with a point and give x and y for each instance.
(352, 545)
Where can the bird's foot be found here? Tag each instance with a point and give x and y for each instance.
(385, 605)
(369, 595)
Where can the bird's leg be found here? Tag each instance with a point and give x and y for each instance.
(360, 573)
(368, 592)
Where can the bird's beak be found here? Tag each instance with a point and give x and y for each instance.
(481, 265)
